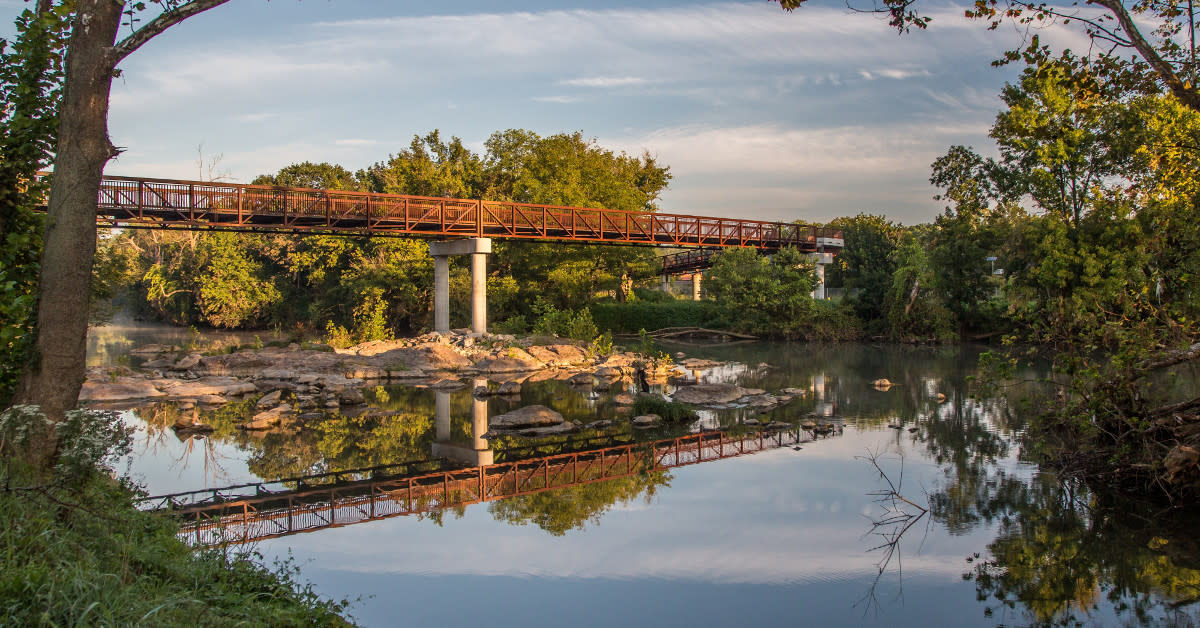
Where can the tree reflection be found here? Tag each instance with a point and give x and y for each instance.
(561, 510)
(1064, 553)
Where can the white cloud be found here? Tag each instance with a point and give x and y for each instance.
(605, 81)
(897, 74)
(255, 117)
(557, 99)
(356, 142)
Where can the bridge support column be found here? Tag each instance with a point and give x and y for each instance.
(479, 292)
(820, 260)
(697, 277)
(478, 249)
(441, 294)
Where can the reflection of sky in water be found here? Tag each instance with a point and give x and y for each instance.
(779, 537)
(162, 463)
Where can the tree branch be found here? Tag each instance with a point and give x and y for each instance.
(1178, 357)
(1175, 407)
(1172, 80)
(154, 27)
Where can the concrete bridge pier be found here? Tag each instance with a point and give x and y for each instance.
(820, 260)
(478, 249)
(697, 277)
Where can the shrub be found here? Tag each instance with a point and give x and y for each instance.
(337, 336)
(670, 411)
(564, 323)
(514, 325)
(628, 318)
(646, 295)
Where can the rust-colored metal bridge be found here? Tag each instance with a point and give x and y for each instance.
(214, 517)
(145, 203)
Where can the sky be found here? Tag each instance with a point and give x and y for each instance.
(759, 113)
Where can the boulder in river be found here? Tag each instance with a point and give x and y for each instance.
(558, 355)
(351, 397)
(529, 416)
(187, 362)
(268, 419)
(646, 420)
(269, 400)
(708, 394)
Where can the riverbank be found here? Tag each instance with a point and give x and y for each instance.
(87, 556)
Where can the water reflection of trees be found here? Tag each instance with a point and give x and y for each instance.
(1063, 554)
(561, 510)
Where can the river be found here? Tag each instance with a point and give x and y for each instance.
(796, 534)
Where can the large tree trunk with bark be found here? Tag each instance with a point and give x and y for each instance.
(55, 375)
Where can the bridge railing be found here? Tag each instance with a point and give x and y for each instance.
(699, 259)
(167, 203)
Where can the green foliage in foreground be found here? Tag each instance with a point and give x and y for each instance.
(30, 89)
(75, 551)
(90, 558)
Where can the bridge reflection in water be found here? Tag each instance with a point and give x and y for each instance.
(478, 454)
(253, 512)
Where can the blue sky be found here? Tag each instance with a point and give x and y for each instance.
(759, 113)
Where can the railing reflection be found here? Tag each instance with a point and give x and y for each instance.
(258, 514)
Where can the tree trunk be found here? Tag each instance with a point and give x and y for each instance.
(55, 373)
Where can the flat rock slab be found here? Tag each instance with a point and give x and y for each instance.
(529, 416)
(505, 365)
(192, 389)
(707, 394)
(120, 389)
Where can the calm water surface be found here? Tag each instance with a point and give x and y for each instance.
(785, 536)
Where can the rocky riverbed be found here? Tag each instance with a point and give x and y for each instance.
(295, 383)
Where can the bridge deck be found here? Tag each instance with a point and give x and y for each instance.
(136, 202)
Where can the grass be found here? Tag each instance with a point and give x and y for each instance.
(88, 557)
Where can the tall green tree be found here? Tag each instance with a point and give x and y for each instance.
(770, 295)
(973, 228)
(55, 373)
(914, 307)
(567, 169)
(866, 264)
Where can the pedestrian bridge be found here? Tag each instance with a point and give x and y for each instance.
(458, 227)
(140, 202)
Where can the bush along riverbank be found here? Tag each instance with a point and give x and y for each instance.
(74, 550)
